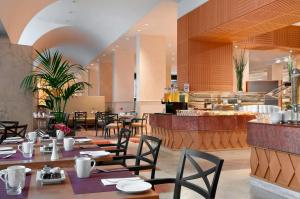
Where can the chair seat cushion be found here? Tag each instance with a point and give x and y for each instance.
(137, 124)
(114, 125)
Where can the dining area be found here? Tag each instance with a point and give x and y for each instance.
(36, 165)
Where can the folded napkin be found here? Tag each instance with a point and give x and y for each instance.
(13, 140)
(95, 154)
(7, 152)
(83, 140)
(113, 181)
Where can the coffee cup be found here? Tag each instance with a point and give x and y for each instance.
(31, 136)
(84, 166)
(26, 148)
(59, 135)
(14, 179)
(69, 144)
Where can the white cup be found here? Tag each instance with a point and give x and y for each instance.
(31, 136)
(84, 166)
(14, 179)
(275, 117)
(59, 135)
(69, 144)
(26, 148)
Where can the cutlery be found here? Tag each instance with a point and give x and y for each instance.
(7, 156)
(111, 170)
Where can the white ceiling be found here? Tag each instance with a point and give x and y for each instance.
(162, 20)
(102, 21)
(186, 6)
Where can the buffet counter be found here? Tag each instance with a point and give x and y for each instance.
(207, 132)
(275, 153)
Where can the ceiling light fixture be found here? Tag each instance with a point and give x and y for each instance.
(278, 61)
(235, 46)
(139, 30)
(291, 51)
(127, 38)
(146, 24)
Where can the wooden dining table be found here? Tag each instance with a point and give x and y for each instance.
(40, 159)
(65, 190)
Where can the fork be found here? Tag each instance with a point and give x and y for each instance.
(7, 156)
(109, 171)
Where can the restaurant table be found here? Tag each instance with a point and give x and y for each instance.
(39, 160)
(65, 190)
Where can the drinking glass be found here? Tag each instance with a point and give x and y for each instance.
(14, 179)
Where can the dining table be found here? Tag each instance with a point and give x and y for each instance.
(74, 187)
(40, 158)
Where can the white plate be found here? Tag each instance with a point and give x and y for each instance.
(81, 140)
(27, 170)
(13, 138)
(50, 181)
(4, 148)
(131, 186)
(95, 154)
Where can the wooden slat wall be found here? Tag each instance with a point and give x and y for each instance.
(206, 34)
(285, 38)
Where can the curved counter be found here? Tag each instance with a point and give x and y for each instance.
(201, 132)
(275, 153)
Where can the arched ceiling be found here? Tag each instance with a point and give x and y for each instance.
(16, 14)
(66, 25)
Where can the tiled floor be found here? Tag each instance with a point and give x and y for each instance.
(234, 181)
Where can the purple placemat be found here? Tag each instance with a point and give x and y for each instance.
(76, 151)
(93, 184)
(24, 193)
(17, 156)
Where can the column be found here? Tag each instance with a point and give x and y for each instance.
(123, 67)
(151, 72)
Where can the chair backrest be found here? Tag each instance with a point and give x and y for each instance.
(79, 116)
(110, 118)
(99, 116)
(148, 145)
(145, 117)
(209, 191)
(8, 123)
(12, 131)
(123, 140)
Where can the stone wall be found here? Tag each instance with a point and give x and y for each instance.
(15, 63)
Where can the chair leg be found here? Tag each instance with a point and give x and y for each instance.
(114, 131)
(146, 129)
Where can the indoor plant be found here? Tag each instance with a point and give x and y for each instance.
(55, 78)
(240, 64)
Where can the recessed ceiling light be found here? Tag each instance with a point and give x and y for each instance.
(291, 51)
(235, 46)
(92, 64)
(146, 24)
(139, 30)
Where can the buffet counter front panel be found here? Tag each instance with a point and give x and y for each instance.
(215, 132)
(275, 153)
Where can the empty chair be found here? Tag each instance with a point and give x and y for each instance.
(119, 148)
(111, 121)
(4, 125)
(12, 131)
(139, 124)
(99, 121)
(148, 146)
(80, 119)
(209, 189)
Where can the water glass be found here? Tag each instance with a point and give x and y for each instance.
(14, 179)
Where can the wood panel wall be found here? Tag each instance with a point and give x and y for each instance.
(206, 34)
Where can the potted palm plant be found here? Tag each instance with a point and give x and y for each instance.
(56, 79)
(240, 64)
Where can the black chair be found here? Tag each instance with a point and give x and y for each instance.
(140, 124)
(12, 131)
(148, 146)
(100, 121)
(120, 147)
(111, 121)
(4, 125)
(209, 191)
(80, 119)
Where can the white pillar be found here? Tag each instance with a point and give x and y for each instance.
(151, 72)
(94, 80)
(123, 81)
